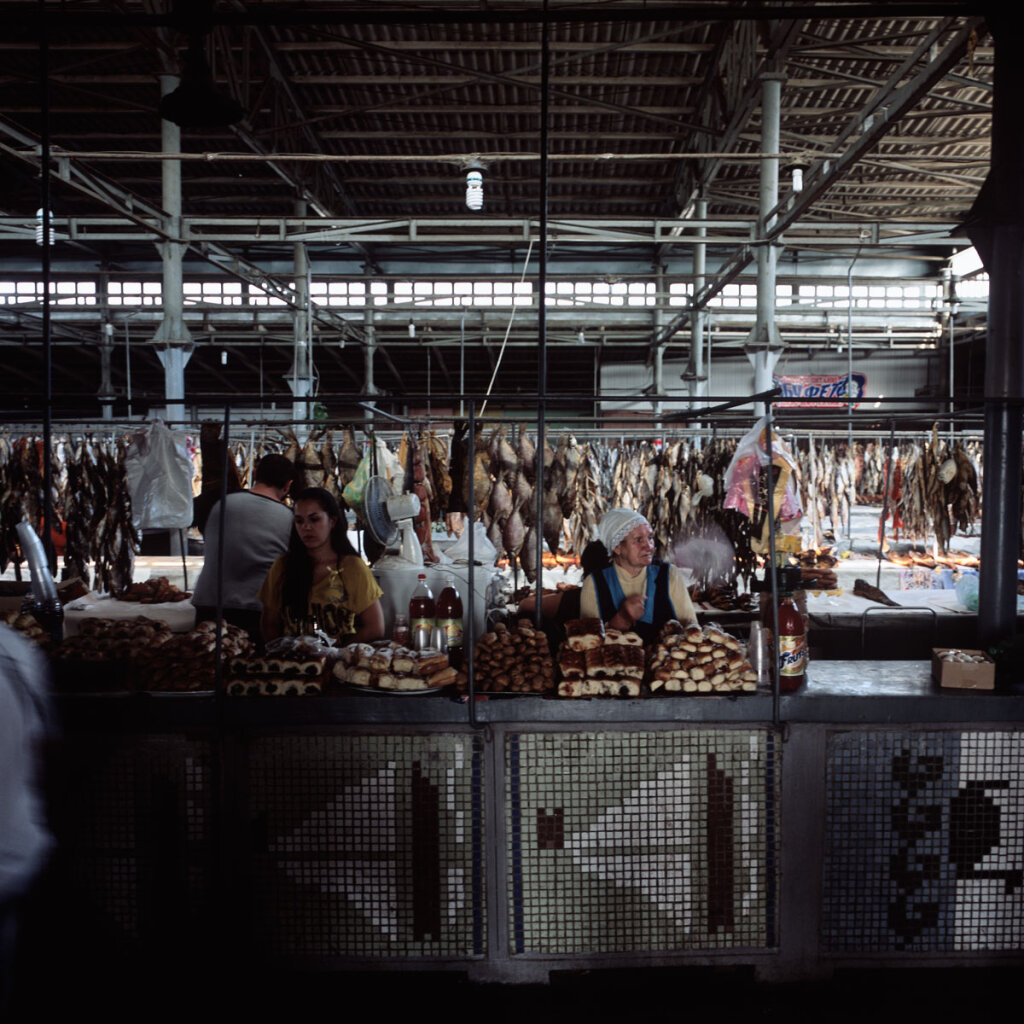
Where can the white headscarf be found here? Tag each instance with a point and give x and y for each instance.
(617, 524)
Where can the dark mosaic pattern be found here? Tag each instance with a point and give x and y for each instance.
(641, 841)
(371, 845)
(137, 824)
(925, 842)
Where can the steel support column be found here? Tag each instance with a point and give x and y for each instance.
(370, 346)
(172, 338)
(695, 372)
(765, 344)
(300, 376)
(996, 226)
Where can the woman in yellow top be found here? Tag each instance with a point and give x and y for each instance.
(321, 582)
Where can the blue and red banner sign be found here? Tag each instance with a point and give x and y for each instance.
(821, 390)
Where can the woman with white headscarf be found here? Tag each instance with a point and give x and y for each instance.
(635, 592)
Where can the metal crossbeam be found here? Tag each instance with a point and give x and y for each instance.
(881, 112)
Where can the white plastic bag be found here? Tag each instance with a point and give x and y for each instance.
(158, 472)
(484, 551)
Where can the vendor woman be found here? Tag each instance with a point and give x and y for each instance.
(321, 582)
(635, 592)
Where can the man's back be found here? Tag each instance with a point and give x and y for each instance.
(256, 532)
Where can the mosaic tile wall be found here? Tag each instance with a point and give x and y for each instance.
(641, 840)
(925, 842)
(137, 822)
(370, 845)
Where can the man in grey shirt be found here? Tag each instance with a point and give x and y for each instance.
(257, 525)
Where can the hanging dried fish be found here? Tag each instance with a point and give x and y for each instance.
(349, 458)
(528, 554)
(514, 533)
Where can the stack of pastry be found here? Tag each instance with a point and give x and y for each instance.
(156, 590)
(27, 626)
(595, 662)
(393, 667)
(298, 671)
(514, 661)
(187, 661)
(104, 653)
(691, 659)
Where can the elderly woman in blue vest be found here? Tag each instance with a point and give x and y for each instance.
(635, 592)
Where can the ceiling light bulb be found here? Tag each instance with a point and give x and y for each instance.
(475, 189)
(412, 329)
(798, 179)
(39, 227)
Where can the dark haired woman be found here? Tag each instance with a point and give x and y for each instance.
(321, 583)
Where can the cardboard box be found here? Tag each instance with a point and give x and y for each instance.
(963, 675)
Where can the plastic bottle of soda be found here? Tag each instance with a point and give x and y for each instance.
(422, 610)
(449, 618)
(792, 645)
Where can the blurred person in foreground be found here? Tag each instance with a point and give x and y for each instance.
(25, 839)
(257, 526)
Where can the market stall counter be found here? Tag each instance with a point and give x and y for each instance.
(876, 821)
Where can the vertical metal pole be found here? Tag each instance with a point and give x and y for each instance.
(765, 344)
(172, 336)
(300, 377)
(771, 570)
(369, 386)
(542, 276)
(699, 320)
(462, 361)
(849, 391)
(657, 374)
(996, 226)
(44, 90)
(767, 259)
(952, 379)
(885, 499)
(470, 626)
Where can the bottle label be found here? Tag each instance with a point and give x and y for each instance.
(453, 630)
(422, 622)
(792, 655)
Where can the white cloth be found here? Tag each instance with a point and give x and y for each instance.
(180, 616)
(257, 530)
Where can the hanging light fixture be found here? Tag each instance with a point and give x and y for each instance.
(475, 186)
(39, 227)
(797, 170)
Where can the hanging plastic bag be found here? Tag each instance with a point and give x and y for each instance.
(354, 490)
(388, 467)
(158, 472)
(747, 482)
(967, 591)
(484, 551)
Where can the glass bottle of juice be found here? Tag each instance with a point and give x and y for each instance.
(792, 645)
(449, 618)
(422, 609)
